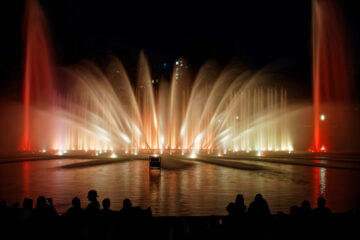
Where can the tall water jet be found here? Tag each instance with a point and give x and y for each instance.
(38, 73)
(330, 66)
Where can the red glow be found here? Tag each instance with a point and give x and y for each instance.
(330, 65)
(37, 87)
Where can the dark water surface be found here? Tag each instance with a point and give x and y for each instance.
(194, 188)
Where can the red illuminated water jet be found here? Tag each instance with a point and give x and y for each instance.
(38, 76)
(331, 75)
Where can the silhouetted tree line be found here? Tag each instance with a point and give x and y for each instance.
(94, 222)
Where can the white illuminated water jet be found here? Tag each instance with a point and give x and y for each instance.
(221, 109)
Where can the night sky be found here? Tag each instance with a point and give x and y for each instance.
(258, 32)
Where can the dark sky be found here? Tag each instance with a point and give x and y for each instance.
(261, 32)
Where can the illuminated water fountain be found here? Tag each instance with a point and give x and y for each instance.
(220, 109)
(331, 76)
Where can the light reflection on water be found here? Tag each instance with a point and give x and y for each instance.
(202, 189)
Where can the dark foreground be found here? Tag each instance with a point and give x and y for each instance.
(254, 222)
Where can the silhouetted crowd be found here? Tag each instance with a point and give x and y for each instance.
(94, 222)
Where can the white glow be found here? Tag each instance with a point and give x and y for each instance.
(44, 150)
(113, 155)
(322, 117)
(198, 138)
(60, 153)
(237, 117)
(193, 155)
(126, 138)
(259, 154)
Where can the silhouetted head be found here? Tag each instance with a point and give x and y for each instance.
(239, 199)
(294, 210)
(40, 202)
(258, 197)
(106, 203)
(321, 202)
(127, 203)
(305, 205)
(230, 208)
(92, 195)
(27, 203)
(76, 202)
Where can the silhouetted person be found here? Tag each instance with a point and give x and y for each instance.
(27, 209)
(44, 208)
(106, 214)
(306, 208)
(126, 211)
(74, 220)
(321, 210)
(230, 208)
(75, 212)
(295, 211)
(238, 208)
(259, 207)
(93, 207)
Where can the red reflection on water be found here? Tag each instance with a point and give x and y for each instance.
(316, 184)
(25, 173)
(37, 85)
(331, 75)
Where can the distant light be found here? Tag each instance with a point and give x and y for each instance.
(193, 155)
(177, 62)
(155, 155)
(323, 149)
(60, 153)
(237, 117)
(157, 80)
(322, 117)
(113, 155)
(97, 154)
(135, 153)
(44, 150)
(152, 81)
(259, 154)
